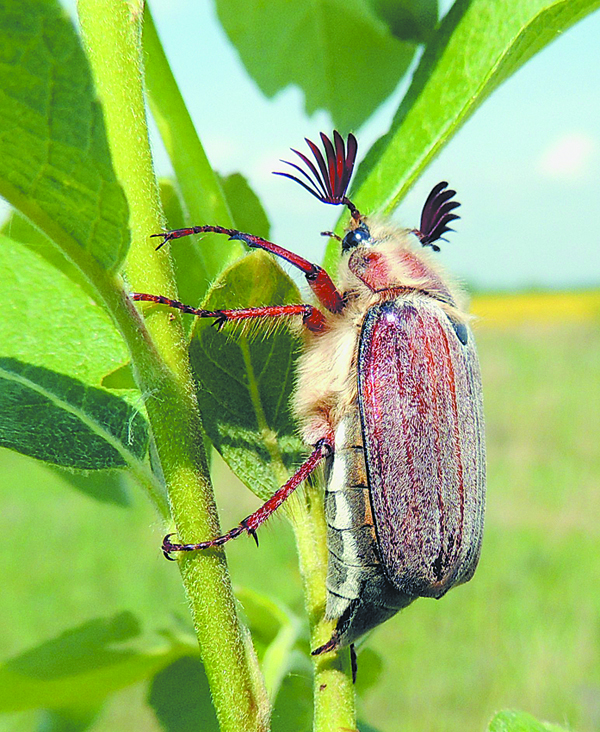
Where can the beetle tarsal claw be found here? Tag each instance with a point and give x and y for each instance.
(331, 645)
(167, 547)
(220, 321)
(166, 236)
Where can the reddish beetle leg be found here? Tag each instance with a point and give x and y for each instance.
(322, 450)
(312, 318)
(319, 281)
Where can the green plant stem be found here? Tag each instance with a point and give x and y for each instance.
(334, 692)
(334, 696)
(333, 689)
(203, 197)
(112, 31)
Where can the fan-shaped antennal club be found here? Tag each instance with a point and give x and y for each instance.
(436, 215)
(329, 179)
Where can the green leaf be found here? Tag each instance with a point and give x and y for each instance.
(294, 705)
(370, 668)
(247, 210)
(408, 20)
(171, 204)
(106, 486)
(122, 380)
(20, 229)
(265, 617)
(180, 697)
(55, 345)
(80, 668)
(513, 721)
(245, 378)
(365, 727)
(188, 257)
(55, 165)
(342, 55)
(53, 417)
(274, 631)
(78, 651)
(48, 320)
(478, 46)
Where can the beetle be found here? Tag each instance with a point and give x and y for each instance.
(389, 396)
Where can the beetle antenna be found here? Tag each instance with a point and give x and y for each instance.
(331, 235)
(436, 215)
(329, 182)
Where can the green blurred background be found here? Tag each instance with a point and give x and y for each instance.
(524, 633)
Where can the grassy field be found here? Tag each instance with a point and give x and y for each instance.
(525, 633)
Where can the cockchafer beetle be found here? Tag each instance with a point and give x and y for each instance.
(389, 395)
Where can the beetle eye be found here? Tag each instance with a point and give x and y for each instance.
(461, 331)
(356, 237)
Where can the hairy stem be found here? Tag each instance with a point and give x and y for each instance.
(334, 697)
(112, 31)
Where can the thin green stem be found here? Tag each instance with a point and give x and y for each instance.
(112, 31)
(334, 696)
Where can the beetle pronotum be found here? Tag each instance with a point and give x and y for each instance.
(389, 395)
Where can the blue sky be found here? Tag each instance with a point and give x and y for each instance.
(526, 165)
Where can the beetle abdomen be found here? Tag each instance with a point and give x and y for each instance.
(359, 594)
(422, 419)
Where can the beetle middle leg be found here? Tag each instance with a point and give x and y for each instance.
(312, 318)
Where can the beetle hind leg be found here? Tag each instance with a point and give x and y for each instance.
(332, 645)
(322, 449)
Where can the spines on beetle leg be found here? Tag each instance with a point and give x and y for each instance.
(250, 321)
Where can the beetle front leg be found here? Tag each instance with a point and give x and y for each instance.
(318, 280)
(322, 450)
(312, 318)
